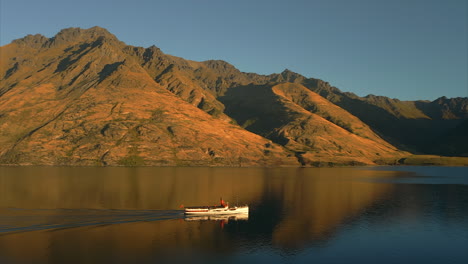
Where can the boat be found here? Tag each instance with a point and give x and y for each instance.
(217, 210)
(224, 217)
(222, 209)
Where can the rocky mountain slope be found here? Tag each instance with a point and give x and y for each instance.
(409, 125)
(303, 121)
(78, 99)
(83, 97)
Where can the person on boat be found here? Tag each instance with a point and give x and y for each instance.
(223, 203)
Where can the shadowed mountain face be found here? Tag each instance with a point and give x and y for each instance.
(409, 125)
(454, 142)
(303, 121)
(85, 98)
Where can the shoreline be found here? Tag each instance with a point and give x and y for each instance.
(412, 160)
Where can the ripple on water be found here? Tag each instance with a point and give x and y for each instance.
(20, 220)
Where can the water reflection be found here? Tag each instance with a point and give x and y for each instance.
(127, 215)
(125, 188)
(223, 218)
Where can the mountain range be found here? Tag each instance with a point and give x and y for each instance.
(83, 97)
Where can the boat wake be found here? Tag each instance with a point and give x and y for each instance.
(15, 220)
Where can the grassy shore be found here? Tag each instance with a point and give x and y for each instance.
(426, 160)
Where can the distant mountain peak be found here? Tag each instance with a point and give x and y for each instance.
(218, 64)
(35, 41)
(75, 34)
(289, 76)
(74, 31)
(154, 48)
(67, 35)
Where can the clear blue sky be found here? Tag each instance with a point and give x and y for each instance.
(405, 49)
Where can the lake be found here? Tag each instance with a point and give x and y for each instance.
(297, 215)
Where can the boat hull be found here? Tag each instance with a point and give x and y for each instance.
(223, 217)
(217, 210)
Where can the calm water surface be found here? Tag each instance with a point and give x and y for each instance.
(297, 215)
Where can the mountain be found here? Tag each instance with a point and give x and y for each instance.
(83, 97)
(79, 99)
(303, 121)
(454, 142)
(409, 125)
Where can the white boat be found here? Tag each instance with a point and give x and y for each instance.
(217, 210)
(223, 217)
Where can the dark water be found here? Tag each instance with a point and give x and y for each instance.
(335, 215)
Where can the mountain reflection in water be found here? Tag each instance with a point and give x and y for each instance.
(119, 215)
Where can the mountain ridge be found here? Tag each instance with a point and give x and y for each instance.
(93, 105)
(315, 122)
